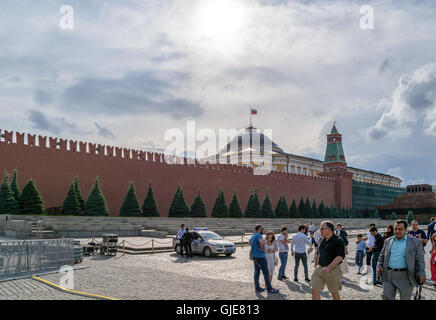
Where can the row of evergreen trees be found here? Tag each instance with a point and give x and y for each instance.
(179, 207)
(29, 201)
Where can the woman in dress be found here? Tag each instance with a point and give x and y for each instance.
(271, 249)
(433, 258)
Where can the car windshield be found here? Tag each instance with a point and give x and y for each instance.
(211, 236)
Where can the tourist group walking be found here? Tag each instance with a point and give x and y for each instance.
(395, 259)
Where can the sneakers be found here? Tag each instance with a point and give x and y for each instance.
(260, 289)
(273, 291)
(295, 280)
(307, 280)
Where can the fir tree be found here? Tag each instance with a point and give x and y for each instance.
(315, 212)
(293, 210)
(30, 200)
(282, 208)
(130, 206)
(220, 209)
(409, 217)
(149, 207)
(14, 187)
(95, 204)
(334, 211)
(198, 208)
(266, 209)
(171, 210)
(235, 210)
(253, 206)
(327, 211)
(8, 204)
(302, 208)
(308, 209)
(180, 207)
(71, 204)
(79, 194)
(321, 210)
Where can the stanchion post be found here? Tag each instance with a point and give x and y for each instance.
(242, 241)
(152, 246)
(124, 241)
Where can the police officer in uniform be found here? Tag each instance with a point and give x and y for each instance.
(187, 241)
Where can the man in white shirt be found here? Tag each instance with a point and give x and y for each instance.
(316, 238)
(312, 228)
(370, 243)
(283, 242)
(298, 248)
(180, 236)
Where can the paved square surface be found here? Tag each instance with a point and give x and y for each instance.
(169, 276)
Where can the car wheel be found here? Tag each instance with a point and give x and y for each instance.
(177, 248)
(228, 254)
(207, 252)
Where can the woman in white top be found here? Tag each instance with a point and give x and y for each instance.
(271, 249)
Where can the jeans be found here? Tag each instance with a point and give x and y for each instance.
(303, 258)
(181, 247)
(188, 249)
(359, 259)
(261, 264)
(375, 277)
(368, 257)
(283, 261)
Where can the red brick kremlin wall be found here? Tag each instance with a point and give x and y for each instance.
(54, 167)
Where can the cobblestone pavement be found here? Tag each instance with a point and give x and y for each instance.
(169, 276)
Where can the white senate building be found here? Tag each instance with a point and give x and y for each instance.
(288, 162)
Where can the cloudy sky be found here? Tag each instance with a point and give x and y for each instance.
(132, 69)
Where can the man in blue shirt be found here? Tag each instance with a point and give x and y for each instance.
(258, 254)
(402, 263)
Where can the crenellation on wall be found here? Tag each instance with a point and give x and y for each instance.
(52, 142)
(19, 138)
(31, 140)
(42, 141)
(64, 144)
(73, 146)
(101, 150)
(92, 148)
(126, 153)
(110, 151)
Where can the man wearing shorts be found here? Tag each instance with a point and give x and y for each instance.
(331, 252)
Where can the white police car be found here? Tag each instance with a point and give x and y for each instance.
(207, 243)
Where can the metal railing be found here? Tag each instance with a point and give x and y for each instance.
(19, 257)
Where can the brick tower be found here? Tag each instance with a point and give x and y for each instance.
(335, 166)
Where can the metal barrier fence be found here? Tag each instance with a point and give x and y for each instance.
(19, 257)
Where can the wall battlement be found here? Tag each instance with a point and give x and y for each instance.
(39, 143)
(54, 162)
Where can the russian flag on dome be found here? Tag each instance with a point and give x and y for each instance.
(253, 111)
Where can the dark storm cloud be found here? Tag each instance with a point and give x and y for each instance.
(55, 125)
(42, 97)
(105, 132)
(420, 95)
(135, 93)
